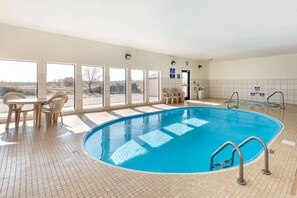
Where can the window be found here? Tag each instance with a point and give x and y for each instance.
(154, 85)
(60, 77)
(117, 86)
(92, 86)
(137, 85)
(17, 76)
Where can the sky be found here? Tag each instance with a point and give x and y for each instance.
(59, 71)
(137, 74)
(17, 71)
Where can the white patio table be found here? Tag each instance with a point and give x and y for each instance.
(37, 102)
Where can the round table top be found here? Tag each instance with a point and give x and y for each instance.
(28, 101)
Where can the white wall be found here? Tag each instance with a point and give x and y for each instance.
(273, 67)
(18, 43)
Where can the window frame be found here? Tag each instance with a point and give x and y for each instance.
(126, 86)
(30, 61)
(74, 78)
(103, 83)
(159, 86)
(144, 85)
(3, 115)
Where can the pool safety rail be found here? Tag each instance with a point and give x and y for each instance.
(229, 162)
(282, 105)
(237, 101)
(240, 179)
(265, 170)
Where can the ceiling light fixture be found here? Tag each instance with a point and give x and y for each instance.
(173, 62)
(199, 66)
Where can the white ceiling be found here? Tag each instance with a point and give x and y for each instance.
(198, 29)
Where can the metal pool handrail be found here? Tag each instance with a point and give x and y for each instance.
(237, 101)
(265, 170)
(240, 179)
(283, 99)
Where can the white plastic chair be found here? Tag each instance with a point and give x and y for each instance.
(53, 107)
(178, 93)
(168, 95)
(18, 109)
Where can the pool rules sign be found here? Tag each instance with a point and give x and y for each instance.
(258, 92)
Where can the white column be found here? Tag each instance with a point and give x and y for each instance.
(146, 86)
(160, 85)
(106, 83)
(78, 88)
(41, 79)
(128, 87)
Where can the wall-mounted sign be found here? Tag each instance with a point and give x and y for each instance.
(261, 94)
(257, 92)
(257, 88)
(172, 73)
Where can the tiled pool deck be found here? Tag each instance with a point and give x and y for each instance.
(52, 163)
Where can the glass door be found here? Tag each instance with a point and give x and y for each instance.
(186, 83)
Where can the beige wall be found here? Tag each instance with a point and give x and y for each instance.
(275, 73)
(18, 43)
(21, 43)
(273, 67)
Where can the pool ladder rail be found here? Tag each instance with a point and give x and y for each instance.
(237, 101)
(282, 105)
(229, 162)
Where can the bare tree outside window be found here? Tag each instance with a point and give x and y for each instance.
(91, 77)
(92, 86)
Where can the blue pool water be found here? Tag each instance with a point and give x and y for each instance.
(179, 140)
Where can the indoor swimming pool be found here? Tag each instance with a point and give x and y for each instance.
(179, 140)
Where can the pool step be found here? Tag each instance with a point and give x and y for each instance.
(223, 164)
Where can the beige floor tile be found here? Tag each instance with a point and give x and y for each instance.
(40, 162)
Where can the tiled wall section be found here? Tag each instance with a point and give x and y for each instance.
(225, 88)
(177, 83)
